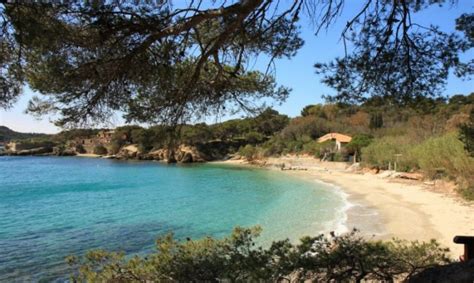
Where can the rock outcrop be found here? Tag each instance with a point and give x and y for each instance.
(33, 151)
(128, 152)
(59, 151)
(182, 154)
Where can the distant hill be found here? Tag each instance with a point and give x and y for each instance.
(7, 134)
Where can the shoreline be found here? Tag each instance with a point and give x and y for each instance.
(385, 208)
(381, 207)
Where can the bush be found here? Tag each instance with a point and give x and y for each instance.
(467, 134)
(358, 142)
(383, 151)
(250, 152)
(346, 258)
(444, 154)
(100, 150)
(254, 137)
(467, 191)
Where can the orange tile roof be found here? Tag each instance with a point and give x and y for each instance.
(335, 136)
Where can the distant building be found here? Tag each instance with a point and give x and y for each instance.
(340, 139)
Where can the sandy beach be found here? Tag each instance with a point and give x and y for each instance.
(92, 155)
(387, 207)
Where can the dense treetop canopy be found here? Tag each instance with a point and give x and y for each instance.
(161, 61)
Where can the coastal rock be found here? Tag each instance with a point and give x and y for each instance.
(183, 154)
(189, 154)
(159, 154)
(187, 158)
(60, 151)
(127, 152)
(33, 151)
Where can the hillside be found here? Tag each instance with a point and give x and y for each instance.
(7, 134)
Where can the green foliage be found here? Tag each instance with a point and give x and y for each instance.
(269, 122)
(69, 135)
(254, 137)
(193, 134)
(314, 110)
(467, 133)
(100, 150)
(384, 62)
(376, 121)
(467, 191)
(249, 152)
(358, 142)
(383, 151)
(237, 258)
(301, 127)
(7, 135)
(444, 154)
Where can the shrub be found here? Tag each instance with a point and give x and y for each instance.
(254, 137)
(383, 151)
(467, 191)
(313, 148)
(358, 142)
(467, 134)
(310, 126)
(100, 150)
(274, 146)
(346, 258)
(445, 153)
(250, 152)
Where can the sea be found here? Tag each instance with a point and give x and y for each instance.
(53, 207)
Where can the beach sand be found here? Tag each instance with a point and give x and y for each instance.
(388, 208)
(88, 155)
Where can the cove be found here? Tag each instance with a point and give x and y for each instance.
(51, 207)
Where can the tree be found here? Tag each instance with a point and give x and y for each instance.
(314, 110)
(309, 126)
(395, 58)
(359, 119)
(270, 121)
(376, 121)
(192, 134)
(237, 258)
(467, 134)
(162, 62)
(357, 143)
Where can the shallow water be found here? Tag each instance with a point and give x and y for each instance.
(51, 207)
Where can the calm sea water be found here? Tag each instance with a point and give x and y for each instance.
(51, 207)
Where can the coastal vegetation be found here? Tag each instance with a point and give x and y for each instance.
(435, 139)
(7, 134)
(174, 63)
(172, 66)
(239, 258)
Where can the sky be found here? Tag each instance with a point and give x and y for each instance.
(296, 73)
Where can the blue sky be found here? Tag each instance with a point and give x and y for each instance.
(296, 73)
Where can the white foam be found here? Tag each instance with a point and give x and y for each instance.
(339, 224)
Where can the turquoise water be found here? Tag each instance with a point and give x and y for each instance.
(51, 207)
